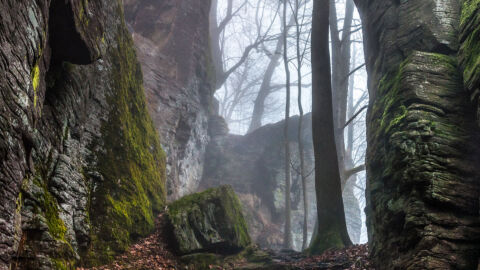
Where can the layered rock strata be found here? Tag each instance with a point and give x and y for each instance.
(423, 178)
(82, 169)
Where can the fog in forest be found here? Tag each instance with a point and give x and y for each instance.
(239, 134)
(255, 27)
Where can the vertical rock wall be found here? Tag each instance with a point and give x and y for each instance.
(82, 171)
(422, 158)
(172, 41)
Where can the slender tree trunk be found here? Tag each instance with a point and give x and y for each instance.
(340, 70)
(299, 135)
(352, 205)
(332, 229)
(287, 242)
(259, 104)
(350, 130)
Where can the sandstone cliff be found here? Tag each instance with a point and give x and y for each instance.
(82, 170)
(422, 161)
(172, 42)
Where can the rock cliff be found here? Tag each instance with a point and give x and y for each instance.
(423, 189)
(82, 170)
(172, 42)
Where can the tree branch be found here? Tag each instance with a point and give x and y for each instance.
(349, 173)
(354, 116)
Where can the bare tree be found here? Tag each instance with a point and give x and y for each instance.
(217, 28)
(340, 75)
(301, 152)
(265, 89)
(287, 242)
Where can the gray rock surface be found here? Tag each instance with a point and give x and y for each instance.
(210, 221)
(172, 42)
(70, 84)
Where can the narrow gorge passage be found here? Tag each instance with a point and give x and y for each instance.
(239, 134)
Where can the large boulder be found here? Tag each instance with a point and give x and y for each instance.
(210, 221)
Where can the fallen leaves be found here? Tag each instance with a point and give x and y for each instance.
(149, 253)
(354, 258)
(153, 253)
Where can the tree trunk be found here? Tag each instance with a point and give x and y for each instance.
(352, 205)
(332, 230)
(259, 104)
(287, 241)
(299, 133)
(340, 78)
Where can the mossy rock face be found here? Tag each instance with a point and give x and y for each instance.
(132, 163)
(210, 221)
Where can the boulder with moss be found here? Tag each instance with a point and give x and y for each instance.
(210, 221)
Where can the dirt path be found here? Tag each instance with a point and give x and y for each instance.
(152, 253)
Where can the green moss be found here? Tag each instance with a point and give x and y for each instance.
(227, 211)
(63, 255)
(60, 264)
(82, 15)
(397, 119)
(468, 9)
(330, 238)
(35, 76)
(49, 208)
(19, 202)
(56, 226)
(132, 163)
(470, 57)
(390, 109)
(389, 101)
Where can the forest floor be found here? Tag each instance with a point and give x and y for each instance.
(154, 253)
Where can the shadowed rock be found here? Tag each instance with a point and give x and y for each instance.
(210, 221)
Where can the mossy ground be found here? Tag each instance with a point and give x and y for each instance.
(328, 239)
